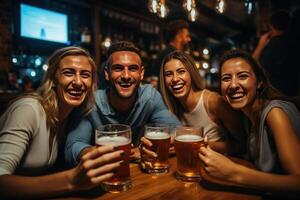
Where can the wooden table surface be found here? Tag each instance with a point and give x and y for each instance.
(146, 186)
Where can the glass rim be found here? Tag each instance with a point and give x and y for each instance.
(102, 128)
(158, 125)
(189, 127)
(194, 129)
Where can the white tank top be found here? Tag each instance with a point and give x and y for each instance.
(200, 118)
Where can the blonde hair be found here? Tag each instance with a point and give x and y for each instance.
(171, 102)
(46, 93)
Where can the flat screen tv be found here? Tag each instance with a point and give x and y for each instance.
(43, 24)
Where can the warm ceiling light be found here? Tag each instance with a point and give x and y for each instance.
(193, 14)
(220, 6)
(107, 42)
(190, 6)
(153, 6)
(187, 5)
(163, 10)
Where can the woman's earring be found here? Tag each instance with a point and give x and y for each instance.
(259, 86)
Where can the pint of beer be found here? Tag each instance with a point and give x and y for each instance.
(116, 135)
(159, 136)
(187, 144)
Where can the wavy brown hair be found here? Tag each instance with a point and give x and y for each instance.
(171, 102)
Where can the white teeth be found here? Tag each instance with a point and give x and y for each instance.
(75, 92)
(125, 84)
(177, 86)
(237, 95)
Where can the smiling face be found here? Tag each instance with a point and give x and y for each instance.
(177, 79)
(74, 81)
(238, 83)
(125, 73)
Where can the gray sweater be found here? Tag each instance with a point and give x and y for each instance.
(24, 139)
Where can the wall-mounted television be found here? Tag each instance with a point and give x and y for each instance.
(43, 24)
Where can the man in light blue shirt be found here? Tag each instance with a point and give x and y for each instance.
(125, 101)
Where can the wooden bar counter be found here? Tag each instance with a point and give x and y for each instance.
(166, 186)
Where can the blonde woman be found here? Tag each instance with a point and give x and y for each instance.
(33, 127)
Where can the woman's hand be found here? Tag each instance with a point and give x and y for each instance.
(217, 165)
(96, 165)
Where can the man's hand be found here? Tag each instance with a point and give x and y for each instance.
(135, 155)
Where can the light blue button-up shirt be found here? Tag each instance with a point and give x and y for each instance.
(149, 108)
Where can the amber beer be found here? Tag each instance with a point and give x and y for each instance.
(117, 135)
(188, 162)
(123, 173)
(160, 145)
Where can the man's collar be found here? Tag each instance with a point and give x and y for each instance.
(102, 102)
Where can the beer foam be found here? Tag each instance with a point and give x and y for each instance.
(115, 141)
(153, 135)
(189, 138)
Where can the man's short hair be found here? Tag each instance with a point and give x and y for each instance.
(280, 20)
(174, 27)
(123, 46)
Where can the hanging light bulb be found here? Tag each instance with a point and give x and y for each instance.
(187, 5)
(163, 10)
(249, 6)
(193, 14)
(220, 6)
(153, 6)
(190, 6)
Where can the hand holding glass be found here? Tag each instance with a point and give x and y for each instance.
(117, 135)
(159, 137)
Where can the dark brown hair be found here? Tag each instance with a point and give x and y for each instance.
(121, 46)
(174, 27)
(266, 91)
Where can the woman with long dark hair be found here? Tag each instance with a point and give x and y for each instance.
(273, 129)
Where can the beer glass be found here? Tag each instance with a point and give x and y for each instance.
(187, 144)
(159, 135)
(116, 135)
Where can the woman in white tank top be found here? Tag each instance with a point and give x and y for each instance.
(182, 89)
